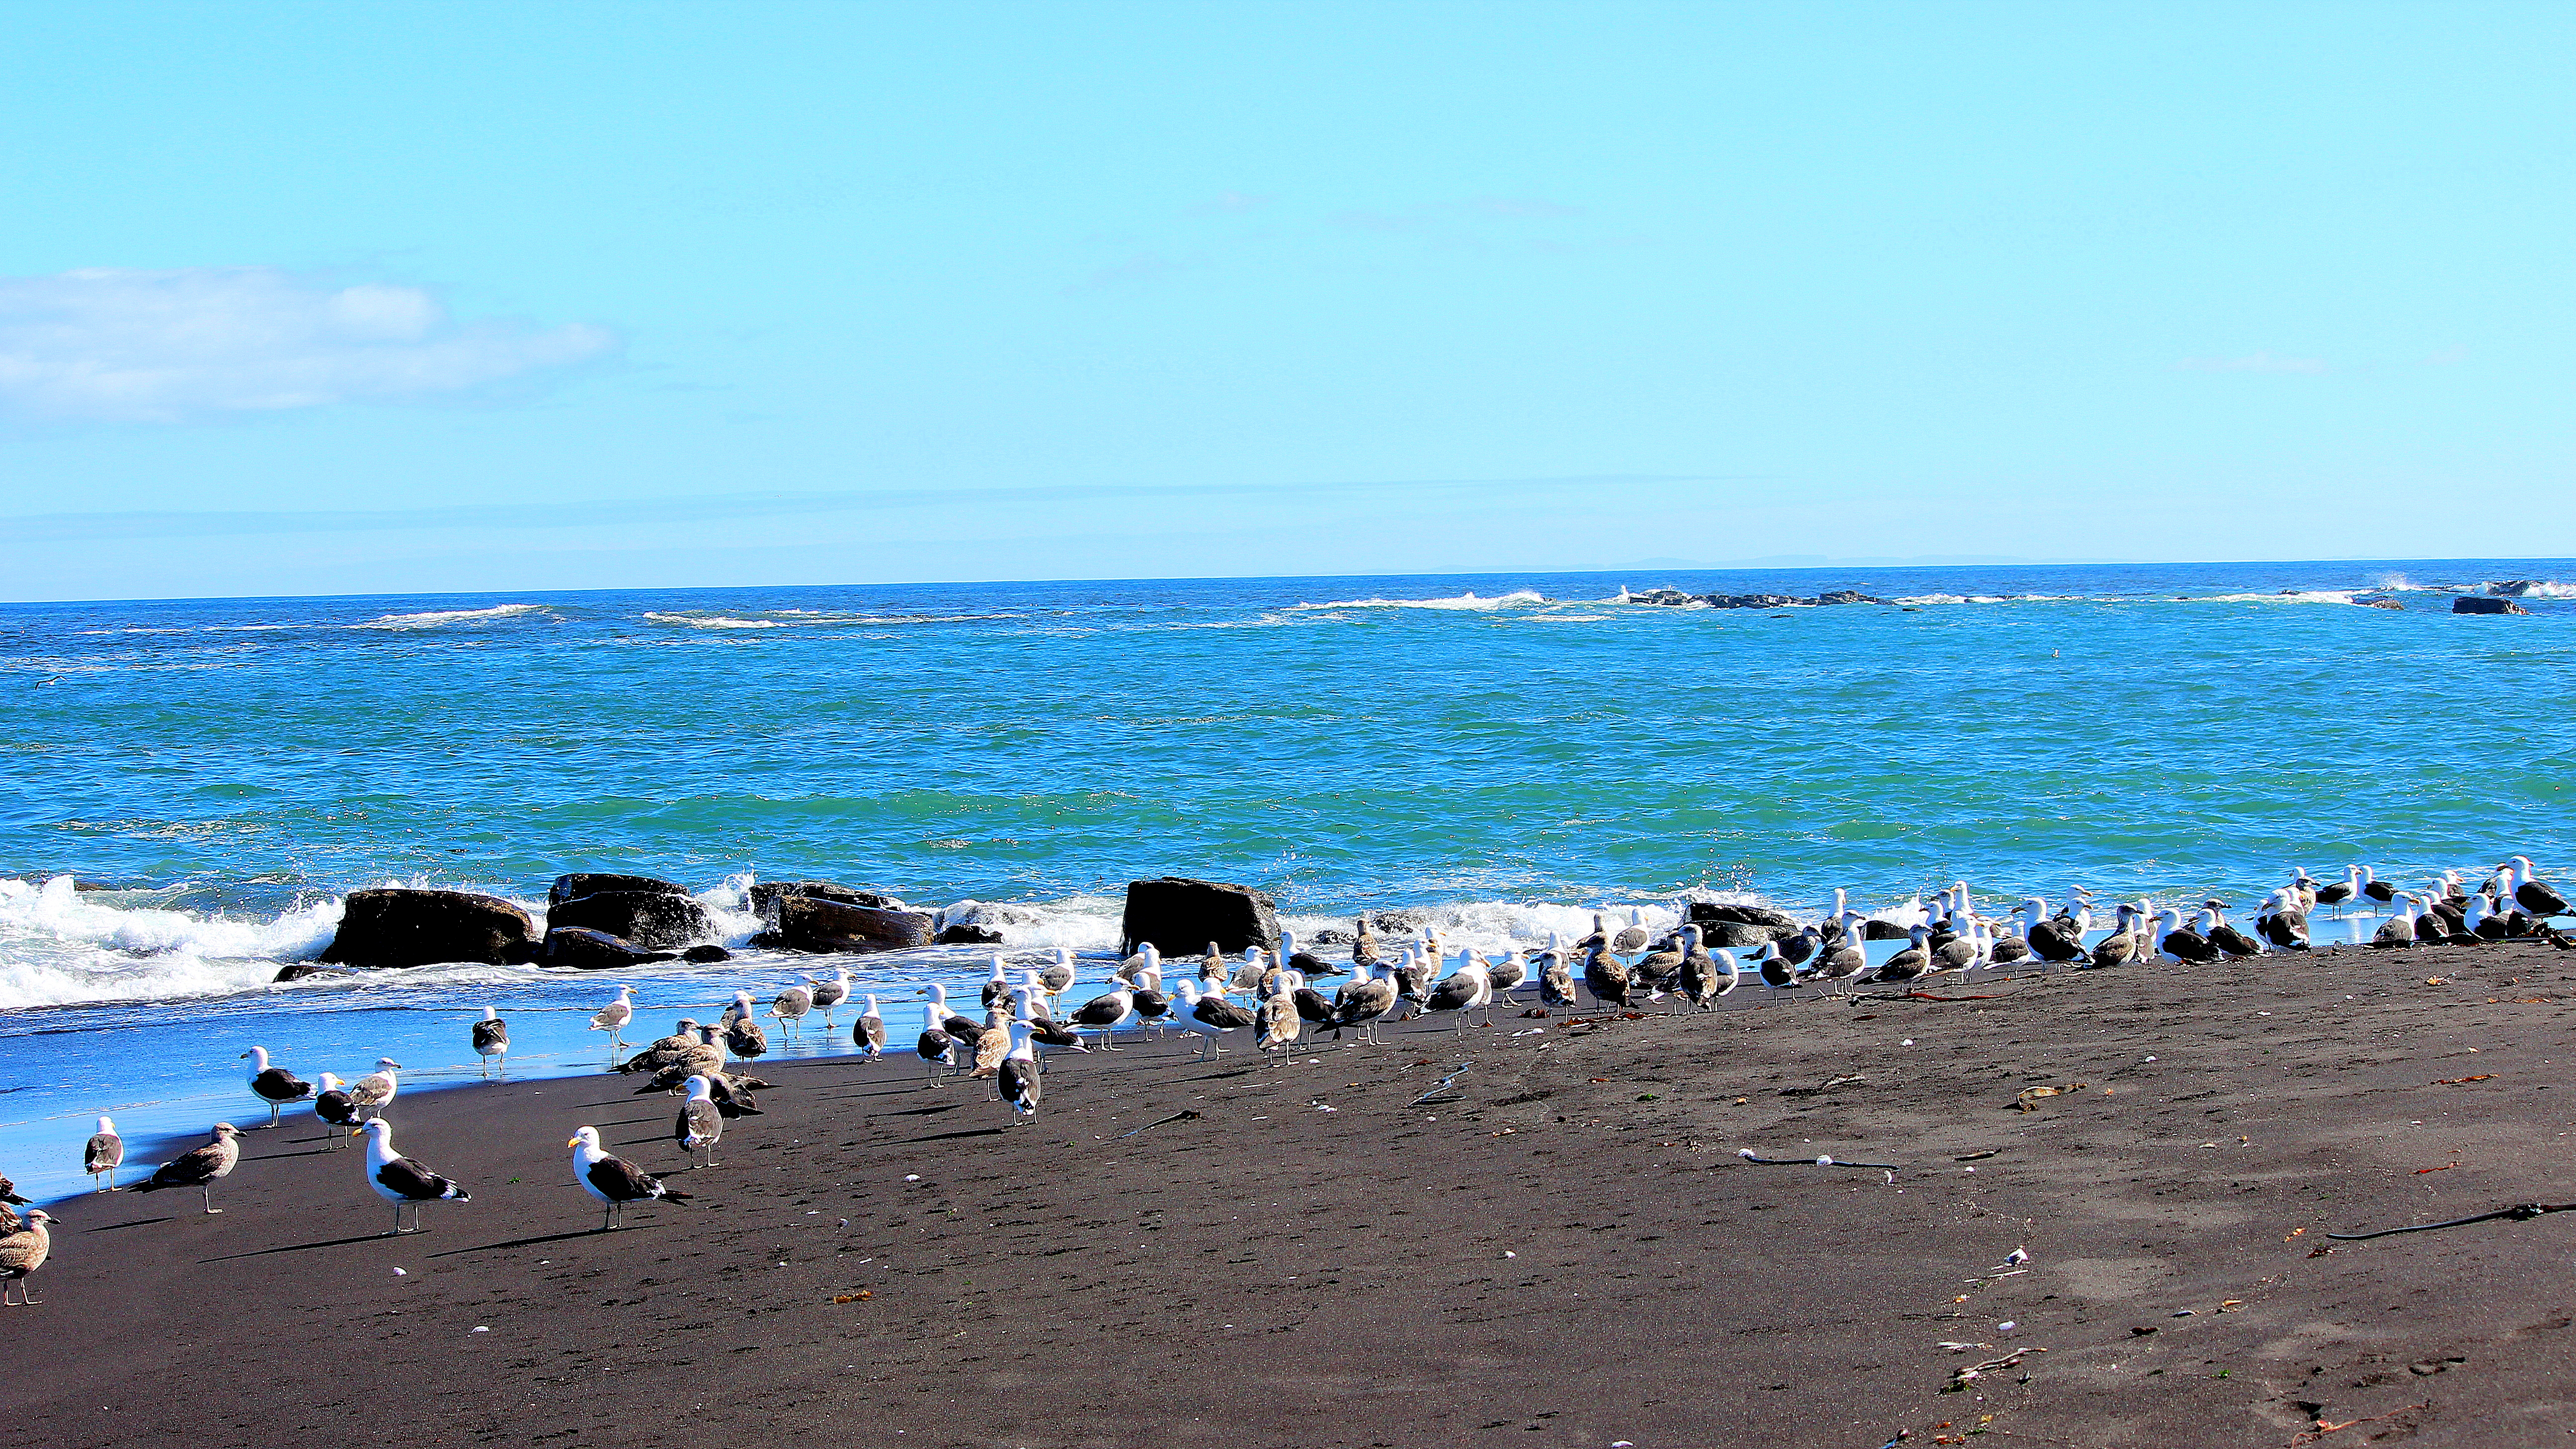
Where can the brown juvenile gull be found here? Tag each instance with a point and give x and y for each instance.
(200, 1169)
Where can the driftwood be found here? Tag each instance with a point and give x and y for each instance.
(1748, 1155)
(2519, 1212)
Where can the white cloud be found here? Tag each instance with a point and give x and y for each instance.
(171, 346)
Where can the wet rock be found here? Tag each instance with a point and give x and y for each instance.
(768, 891)
(706, 955)
(1750, 601)
(967, 934)
(2471, 604)
(1878, 930)
(1706, 912)
(589, 950)
(2514, 588)
(585, 883)
(297, 971)
(819, 924)
(394, 926)
(1180, 916)
(1331, 937)
(1396, 923)
(2379, 602)
(1668, 598)
(1846, 596)
(652, 919)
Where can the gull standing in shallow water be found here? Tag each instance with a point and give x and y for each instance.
(612, 1019)
(614, 1181)
(868, 1033)
(830, 994)
(492, 1042)
(404, 1181)
(104, 1152)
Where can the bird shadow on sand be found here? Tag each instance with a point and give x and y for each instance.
(302, 1247)
(953, 1136)
(130, 1223)
(529, 1242)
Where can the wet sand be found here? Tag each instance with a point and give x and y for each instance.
(1562, 1249)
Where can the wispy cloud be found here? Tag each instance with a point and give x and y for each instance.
(2259, 362)
(109, 345)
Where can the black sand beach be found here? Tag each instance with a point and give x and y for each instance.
(1564, 1248)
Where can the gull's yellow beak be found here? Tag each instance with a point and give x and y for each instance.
(572, 1142)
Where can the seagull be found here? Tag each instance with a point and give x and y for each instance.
(492, 1040)
(1555, 983)
(790, 1007)
(868, 1032)
(375, 1091)
(701, 1056)
(684, 1041)
(1211, 1015)
(275, 1086)
(331, 1105)
(1144, 969)
(830, 994)
(1057, 977)
(1607, 977)
(2121, 947)
(1276, 1022)
(22, 1251)
(1633, 938)
(1369, 996)
(2051, 940)
(2398, 932)
(2528, 892)
(1466, 989)
(612, 1019)
(613, 1180)
(104, 1152)
(742, 1035)
(1017, 1079)
(699, 1124)
(200, 1169)
(1103, 1013)
(1304, 963)
(1507, 974)
(1911, 962)
(402, 1180)
(935, 1042)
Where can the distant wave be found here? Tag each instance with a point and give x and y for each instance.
(1518, 598)
(2543, 590)
(437, 617)
(812, 618)
(2301, 596)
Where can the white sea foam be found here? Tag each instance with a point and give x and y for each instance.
(437, 617)
(718, 622)
(1518, 598)
(2549, 590)
(2294, 596)
(60, 946)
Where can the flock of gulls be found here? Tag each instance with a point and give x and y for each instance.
(1622, 968)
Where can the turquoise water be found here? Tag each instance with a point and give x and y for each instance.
(1503, 753)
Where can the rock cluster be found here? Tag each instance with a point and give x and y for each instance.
(2471, 604)
(1675, 598)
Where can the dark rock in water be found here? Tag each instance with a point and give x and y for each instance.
(652, 919)
(2471, 604)
(2514, 588)
(1330, 937)
(1846, 596)
(1396, 923)
(1180, 916)
(570, 887)
(1734, 935)
(765, 892)
(2379, 602)
(1878, 930)
(393, 926)
(297, 971)
(705, 955)
(1704, 912)
(592, 950)
(963, 934)
(1669, 598)
(1749, 601)
(814, 923)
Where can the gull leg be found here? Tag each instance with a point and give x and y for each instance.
(208, 1193)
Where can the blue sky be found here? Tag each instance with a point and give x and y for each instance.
(320, 299)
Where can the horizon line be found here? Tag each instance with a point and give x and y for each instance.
(1764, 564)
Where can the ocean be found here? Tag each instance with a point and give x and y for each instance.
(1502, 754)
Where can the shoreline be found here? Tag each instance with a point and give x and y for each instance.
(1271, 1273)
